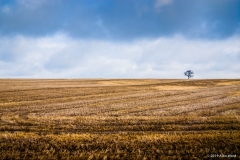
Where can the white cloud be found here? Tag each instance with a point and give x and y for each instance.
(32, 4)
(60, 56)
(5, 9)
(160, 3)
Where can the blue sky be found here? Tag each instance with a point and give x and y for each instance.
(119, 38)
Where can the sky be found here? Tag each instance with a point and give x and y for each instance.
(119, 38)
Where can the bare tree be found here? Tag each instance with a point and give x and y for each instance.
(189, 73)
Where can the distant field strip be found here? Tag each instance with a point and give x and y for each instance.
(143, 116)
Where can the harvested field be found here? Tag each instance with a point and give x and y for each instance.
(119, 119)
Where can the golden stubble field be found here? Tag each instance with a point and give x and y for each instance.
(119, 119)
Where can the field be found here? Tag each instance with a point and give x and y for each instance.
(119, 119)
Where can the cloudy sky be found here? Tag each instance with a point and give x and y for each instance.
(119, 38)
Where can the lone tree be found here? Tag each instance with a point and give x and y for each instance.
(189, 73)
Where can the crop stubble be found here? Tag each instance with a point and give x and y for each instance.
(119, 119)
